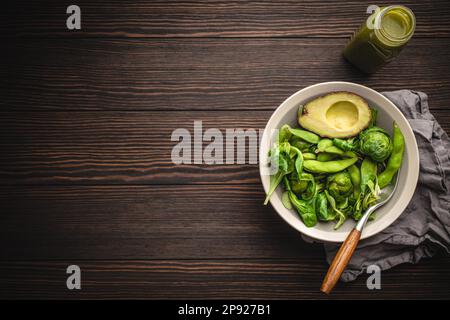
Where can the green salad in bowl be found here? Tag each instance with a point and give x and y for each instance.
(333, 164)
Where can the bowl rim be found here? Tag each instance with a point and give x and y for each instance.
(412, 177)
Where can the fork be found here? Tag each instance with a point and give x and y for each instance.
(346, 250)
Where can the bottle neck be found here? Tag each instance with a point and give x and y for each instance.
(394, 26)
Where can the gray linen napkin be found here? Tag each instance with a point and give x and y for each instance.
(424, 226)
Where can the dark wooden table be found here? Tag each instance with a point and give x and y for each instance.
(85, 125)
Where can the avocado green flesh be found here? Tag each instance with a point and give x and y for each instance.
(336, 115)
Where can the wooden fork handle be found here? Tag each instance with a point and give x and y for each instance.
(340, 261)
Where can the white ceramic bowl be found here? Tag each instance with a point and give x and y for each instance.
(387, 113)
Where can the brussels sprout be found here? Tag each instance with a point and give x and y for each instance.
(298, 186)
(340, 186)
(368, 173)
(375, 143)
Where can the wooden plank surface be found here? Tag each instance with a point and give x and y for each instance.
(206, 18)
(144, 222)
(119, 147)
(203, 279)
(85, 124)
(199, 74)
(112, 147)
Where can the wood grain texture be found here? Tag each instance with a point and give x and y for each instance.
(144, 222)
(206, 18)
(112, 147)
(200, 279)
(118, 147)
(199, 74)
(86, 117)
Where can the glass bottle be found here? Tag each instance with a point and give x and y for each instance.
(381, 38)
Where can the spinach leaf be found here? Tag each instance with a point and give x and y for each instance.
(280, 159)
(322, 211)
(340, 215)
(311, 189)
(305, 209)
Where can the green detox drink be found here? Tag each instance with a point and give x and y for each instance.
(381, 38)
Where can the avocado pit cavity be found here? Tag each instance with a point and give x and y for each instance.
(342, 115)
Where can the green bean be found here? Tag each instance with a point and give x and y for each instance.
(309, 156)
(328, 166)
(355, 176)
(368, 173)
(305, 135)
(345, 145)
(334, 150)
(286, 132)
(350, 154)
(323, 144)
(286, 201)
(395, 160)
(323, 156)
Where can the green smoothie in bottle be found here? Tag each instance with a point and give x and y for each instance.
(381, 38)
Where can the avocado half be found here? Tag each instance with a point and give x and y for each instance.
(336, 115)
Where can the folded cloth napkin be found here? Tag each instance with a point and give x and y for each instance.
(424, 227)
